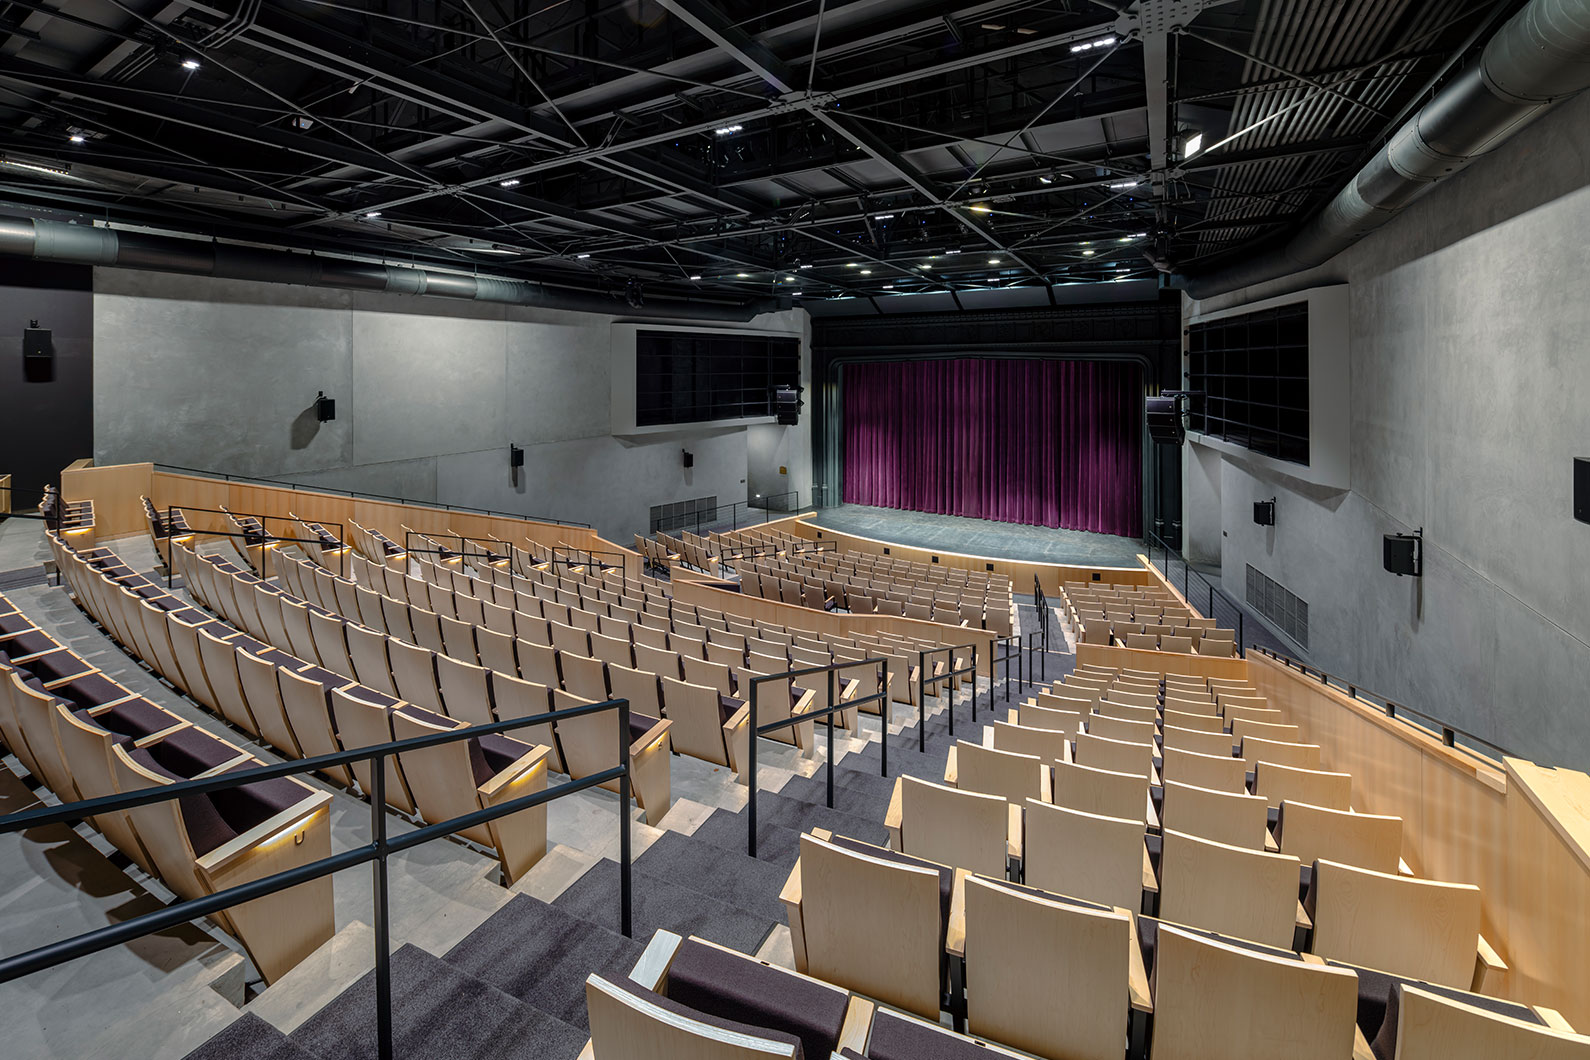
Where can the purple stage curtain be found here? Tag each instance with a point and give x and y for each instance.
(1046, 442)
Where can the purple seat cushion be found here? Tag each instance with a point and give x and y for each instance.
(136, 718)
(640, 725)
(57, 665)
(28, 644)
(728, 707)
(202, 821)
(744, 989)
(325, 678)
(188, 752)
(15, 623)
(894, 1038)
(491, 754)
(91, 690)
(634, 989)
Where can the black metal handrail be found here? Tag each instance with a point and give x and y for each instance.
(1447, 732)
(828, 712)
(374, 853)
(462, 552)
(923, 682)
(1188, 574)
(362, 495)
(266, 538)
(771, 497)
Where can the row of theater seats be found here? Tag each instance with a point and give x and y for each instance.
(1147, 618)
(394, 692)
(302, 709)
(84, 736)
(1020, 863)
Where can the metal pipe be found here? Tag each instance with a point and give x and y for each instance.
(1539, 58)
(45, 240)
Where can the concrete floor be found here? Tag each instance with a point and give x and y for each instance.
(982, 537)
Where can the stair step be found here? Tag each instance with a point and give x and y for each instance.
(541, 954)
(437, 1011)
(849, 786)
(737, 880)
(773, 808)
(657, 903)
(250, 1038)
(775, 844)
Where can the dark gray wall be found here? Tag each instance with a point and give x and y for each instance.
(46, 419)
(1470, 362)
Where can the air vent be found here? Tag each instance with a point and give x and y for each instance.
(1279, 605)
(684, 515)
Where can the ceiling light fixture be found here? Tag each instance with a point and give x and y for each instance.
(851, 265)
(372, 215)
(1045, 180)
(883, 217)
(888, 287)
(1089, 253)
(866, 272)
(302, 123)
(1192, 145)
(742, 275)
(924, 266)
(993, 261)
(693, 279)
(952, 252)
(1102, 42)
(1118, 185)
(728, 130)
(980, 208)
(581, 257)
(805, 266)
(78, 138)
(37, 167)
(190, 64)
(511, 182)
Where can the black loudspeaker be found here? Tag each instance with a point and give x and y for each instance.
(1581, 489)
(787, 405)
(36, 344)
(325, 408)
(690, 458)
(1164, 420)
(1404, 554)
(1264, 512)
(515, 456)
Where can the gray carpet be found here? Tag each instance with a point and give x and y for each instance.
(439, 1013)
(775, 844)
(660, 904)
(982, 537)
(736, 880)
(542, 954)
(250, 1038)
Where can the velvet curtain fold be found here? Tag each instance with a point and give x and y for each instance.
(1045, 442)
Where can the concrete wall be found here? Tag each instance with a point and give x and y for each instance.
(46, 413)
(1470, 362)
(222, 375)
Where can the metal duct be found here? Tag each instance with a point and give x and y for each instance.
(44, 240)
(1539, 58)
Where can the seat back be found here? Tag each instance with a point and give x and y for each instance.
(1245, 726)
(697, 726)
(1298, 755)
(1141, 732)
(1217, 743)
(1045, 975)
(1016, 777)
(362, 722)
(1366, 841)
(1101, 791)
(1040, 717)
(1248, 894)
(1048, 745)
(1221, 816)
(624, 1024)
(1422, 929)
(1216, 772)
(966, 829)
(871, 925)
(1278, 783)
(1432, 1027)
(1085, 855)
(1224, 998)
(1117, 756)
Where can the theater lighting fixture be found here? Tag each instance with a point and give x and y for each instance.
(509, 183)
(581, 257)
(728, 130)
(1124, 239)
(1118, 185)
(924, 266)
(888, 287)
(952, 252)
(1192, 145)
(190, 64)
(742, 275)
(694, 278)
(1045, 180)
(980, 208)
(993, 261)
(372, 215)
(851, 265)
(866, 272)
(1089, 45)
(303, 124)
(789, 279)
(883, 217)
(37, 167)
(1088, 253)
(78, 138)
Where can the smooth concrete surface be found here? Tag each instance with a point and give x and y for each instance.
(982, 537)
(1470, 348)
(221, 375)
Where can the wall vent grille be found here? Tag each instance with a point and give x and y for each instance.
(1280, 605)
(683, 515)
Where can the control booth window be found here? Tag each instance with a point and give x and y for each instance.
(696, 377)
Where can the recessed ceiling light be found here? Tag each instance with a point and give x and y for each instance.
(78, 138)
(1089, 253)
(789, 279)
(851, 265)
(694, 278)
(1125, 184)
(743, 275)
(888, 287)
(866, 272)
(805, 266)
(190, 64)
(883, 217)
(1102, 42)
(980, 208)
(1045, 180)
(925, 266)
(372, 215)
(728, 130)
(511, 182)
(1025, 32)
(581, 257)
(993, 261)
(992, 25)
(952, 252)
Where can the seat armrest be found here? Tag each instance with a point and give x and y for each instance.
(518, 768)
(156, 737)
(1302, 919)
(213, 771)
(891, 819)
(1554, 1019)
(653, 736)
(652, 967)
(857, 1026)
(952, 768)
(1150, 881)
(1045, 784)
(1270, 845)
(804, 703)
(1014, 832)
(1488, 966)
(955, 933)
(1142, 998)
(96, 711)
(222, 857)
(790, 893)
(1361, 1050)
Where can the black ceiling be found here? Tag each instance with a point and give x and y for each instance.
(876, 145)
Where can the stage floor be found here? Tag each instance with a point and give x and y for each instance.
(981, 537)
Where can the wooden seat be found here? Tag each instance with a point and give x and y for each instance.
(1015, 777)
(1254, 750)
(1216, 772)
(1046, 974)
(414, 675)
(951, 826)
(1279, 783)
(1365, 841)
(1214, 743)
(1126, 712)
(1112, 728)
(590, 745)
(1094, 857)
(1189, 720)
(465, 691)
(305, 702)
(868, 922)
(1248, 894)
(585, 677)
(1432, 1027)
(1040, 717)
(1242, 726)
(1103, 792)
(1234, 819)
(364, 719)
(1117, 756)
(1422, 929)
(699, 728)
(777, 699)
(518, 698)
(445, 786)
(1048, 745)
(1217, 997)
(257, 677)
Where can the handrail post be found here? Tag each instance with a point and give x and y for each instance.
(750, 775)
(885, 713)
(831, 703)
(382, 926)
(949, 697)
(625, 883)
(921, 701)
(990, 681)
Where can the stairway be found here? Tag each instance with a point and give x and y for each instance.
(514, 988)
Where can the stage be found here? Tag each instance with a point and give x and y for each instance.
(981, 537)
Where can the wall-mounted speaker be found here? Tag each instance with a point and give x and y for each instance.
(1404, 554)
(690, 458)
(1581, 489)
(1264, 512)
(787, 405)
(515, 456)
(1163, 415)
(36, 343)
(325, 408)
